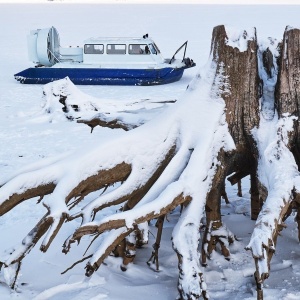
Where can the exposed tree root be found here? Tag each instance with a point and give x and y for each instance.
(215, 233)
(154, 256)
(119, 220)
(179, 160)
(64, 100)
(17, 198)
(100, 120)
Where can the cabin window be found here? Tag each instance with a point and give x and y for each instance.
(152, 49)
(116, 49)
(93, 48)
(158, 51)
(138, 49)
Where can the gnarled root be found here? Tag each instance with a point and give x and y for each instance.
(154, 256)
(216, 233)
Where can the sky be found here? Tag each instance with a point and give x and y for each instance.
(240, 2)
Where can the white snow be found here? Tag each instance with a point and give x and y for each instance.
(34, 133)
(239, 38)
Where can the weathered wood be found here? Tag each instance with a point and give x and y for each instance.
(238, 176)
(101, 120)
(287, 94)
(17, 198)
(135, 196)
(255, 198)
(239, 72)
(268, 64)
(239, 193)
(138, 194)
(224, 194)
(27, 244)
(154, 256)
(213, 209)
(287, 99)
(118, 223)
(118, 173)
(129, 251)
(91, 268)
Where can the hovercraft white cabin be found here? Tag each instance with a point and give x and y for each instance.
(101, 61)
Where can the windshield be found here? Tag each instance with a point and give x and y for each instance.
(152, 49)
(158, 51)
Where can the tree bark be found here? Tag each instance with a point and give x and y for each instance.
(281, 154)
(239, 90)
(287, 95)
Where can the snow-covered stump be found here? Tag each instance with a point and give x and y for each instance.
(235, 55)
(238, 53)
(278, 143)
(167, 162)
(181, 156)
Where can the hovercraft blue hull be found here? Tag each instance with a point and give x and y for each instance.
(94, 76)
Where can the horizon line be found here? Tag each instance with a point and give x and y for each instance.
(206, 2)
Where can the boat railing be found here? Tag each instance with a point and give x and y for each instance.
(56, 59)
(173, 57)
(60, 59)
